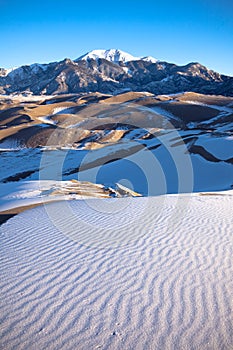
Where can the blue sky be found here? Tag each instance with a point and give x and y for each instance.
(175, 31)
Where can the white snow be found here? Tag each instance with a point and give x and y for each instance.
(164, 113)
(7, 71)
(114, 55)
(63, 110)
(126, 70)
(36, 67)
(170, 77)
(25, 97)
(208, 176)
(226, 109)
(47, 120)
(9, 145)
(130, 273)
(20, 71)
(149, 59)
(22, 193)
(220, 147)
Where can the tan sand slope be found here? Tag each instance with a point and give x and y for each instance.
(139, 273)
(205, 99)
(33, 193)
(74, 120)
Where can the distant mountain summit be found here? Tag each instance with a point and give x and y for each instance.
(113, 71)
(113, 55)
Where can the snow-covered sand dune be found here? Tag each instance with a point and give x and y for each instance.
(130, 273)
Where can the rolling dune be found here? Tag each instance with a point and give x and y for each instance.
(130, 273)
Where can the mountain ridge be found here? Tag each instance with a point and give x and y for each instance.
(113, 71)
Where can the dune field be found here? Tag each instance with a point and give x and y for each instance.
(116, 222)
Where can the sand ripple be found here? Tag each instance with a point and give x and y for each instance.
(169, 287)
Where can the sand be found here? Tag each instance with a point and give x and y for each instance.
(128, 273)
(93, 121)
(19, 196)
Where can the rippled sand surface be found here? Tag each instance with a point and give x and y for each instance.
(128, 273)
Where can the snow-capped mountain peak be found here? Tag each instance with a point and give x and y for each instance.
(114, 55)
(119, 72)
(149, 59)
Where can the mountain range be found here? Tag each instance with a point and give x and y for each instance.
(113, 71)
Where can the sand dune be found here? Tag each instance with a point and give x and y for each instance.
(67, 121)
(206, 99)
(188, 113)
(126, 97)
(131, 273)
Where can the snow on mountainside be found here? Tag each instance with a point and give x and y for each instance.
(149, 59)
(114, 55)
(113, 71)
(22, 72)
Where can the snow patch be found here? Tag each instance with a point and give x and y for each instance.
(46, 120)
(114, 55)
(149, 59)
